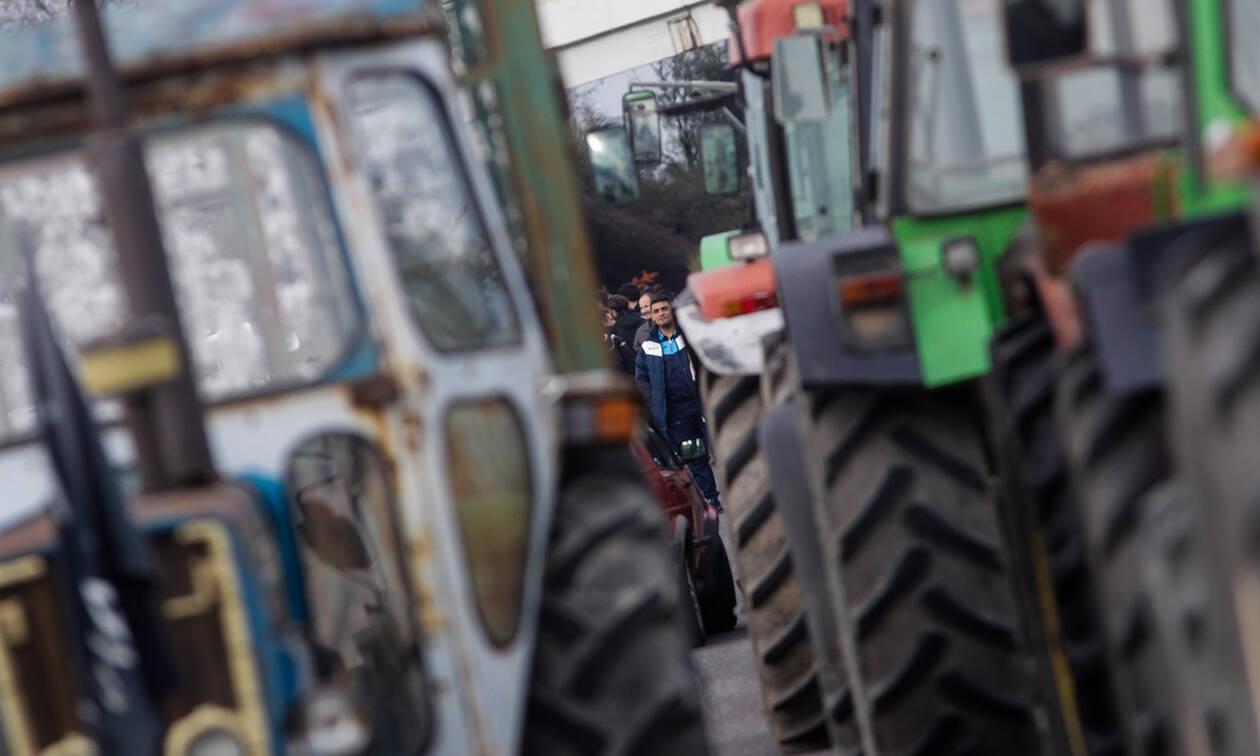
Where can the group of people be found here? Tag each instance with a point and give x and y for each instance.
(644, 341)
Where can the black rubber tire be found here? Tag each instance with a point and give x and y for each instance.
(786, 665)
(692, 610)
(718, 605)
(1212, 364)
(1047, 541)
(932, 612)
(1117, 458)
(611, 671)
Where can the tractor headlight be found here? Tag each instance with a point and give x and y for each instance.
(216, 742)
(808, 15)
(960, 258)
(750, 246)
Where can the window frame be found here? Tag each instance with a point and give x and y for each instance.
(1249, 103)
(463, 164)
(357, 356)
(899, 44)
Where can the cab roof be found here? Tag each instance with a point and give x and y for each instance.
(164, 35)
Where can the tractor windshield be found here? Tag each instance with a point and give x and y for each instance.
(254, 256)
(1107, 109)
(965, 147)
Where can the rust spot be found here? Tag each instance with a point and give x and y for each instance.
(374, 391)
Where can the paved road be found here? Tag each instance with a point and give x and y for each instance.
(732, 701)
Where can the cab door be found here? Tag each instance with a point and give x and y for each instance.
(475, 441)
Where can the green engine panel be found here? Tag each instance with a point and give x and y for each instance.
(713, 252)
(953, 320)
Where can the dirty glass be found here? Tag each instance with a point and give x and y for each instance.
(454, 287)
(1244, 53)
(249, 234)
(1105, 109)
(354, 563)
(820, 165)
(966, 137)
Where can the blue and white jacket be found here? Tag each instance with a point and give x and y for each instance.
(649, 372)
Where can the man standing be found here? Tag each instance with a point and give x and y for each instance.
(667, 381)
(640, 335)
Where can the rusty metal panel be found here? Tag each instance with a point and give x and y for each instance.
(166, 35)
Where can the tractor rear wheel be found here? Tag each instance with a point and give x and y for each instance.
(1116, 454)
(1211, 350)
(1047, 541)
(786, 664)
(930, 604)
(612, 671)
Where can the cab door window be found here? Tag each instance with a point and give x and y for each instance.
(452, 281)
(1244, 53)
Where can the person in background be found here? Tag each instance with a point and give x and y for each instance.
(621, 354)
(627, 319)
(632, 295)
(645, 304)
(667, 380)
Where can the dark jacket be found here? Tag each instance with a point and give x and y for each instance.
(627, 323)
(641, 335)
(649, 373)
(622, 355)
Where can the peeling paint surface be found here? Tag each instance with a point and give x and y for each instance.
(152, 32)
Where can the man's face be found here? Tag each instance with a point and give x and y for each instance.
(662, 314)
(645, 304)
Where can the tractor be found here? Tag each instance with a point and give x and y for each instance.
(389, 514)
(1117, 376)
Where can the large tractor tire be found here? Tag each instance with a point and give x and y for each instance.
(612, 671)
(786, 665)
(932, 612)
(1117, 457)
(1047, 540)
(1212, 364)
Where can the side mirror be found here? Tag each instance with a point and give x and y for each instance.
(801, 94)
(719, 158)
(616, 181)
(1041, 33)
(645, 126)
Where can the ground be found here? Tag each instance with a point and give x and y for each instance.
(728, 677)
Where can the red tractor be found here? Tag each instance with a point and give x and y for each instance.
(692, 524)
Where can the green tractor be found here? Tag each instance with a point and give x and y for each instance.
(386, 539)
(854, 452)
(1141, 250)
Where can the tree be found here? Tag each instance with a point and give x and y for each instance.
(661, 231)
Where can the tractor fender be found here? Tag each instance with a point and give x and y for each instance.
(727, 346)
(1119, 285)
(782, 447)
(808, 282)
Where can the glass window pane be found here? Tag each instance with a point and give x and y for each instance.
(1103, 110)
(454, 286)
(249, 234)
(966, 140)
(1244, 53)
(355, 566)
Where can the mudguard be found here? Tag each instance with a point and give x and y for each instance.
(784, 451)
(1119, 286)
(807, 276)
(726, 346)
